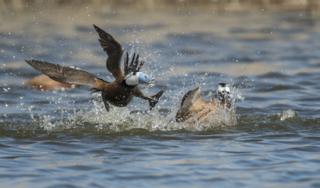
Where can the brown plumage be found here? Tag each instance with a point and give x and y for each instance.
(194, 108)
(44, 83)
(117, 92)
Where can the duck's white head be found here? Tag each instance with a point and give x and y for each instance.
(136, 78)
(223, 91)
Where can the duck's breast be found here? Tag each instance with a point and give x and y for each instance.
(117, 94)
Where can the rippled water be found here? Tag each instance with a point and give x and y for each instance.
(66, 139)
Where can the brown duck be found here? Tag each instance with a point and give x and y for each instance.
(118, 92)
(44, 83)
(194, 108)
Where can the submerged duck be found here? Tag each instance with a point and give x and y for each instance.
(118, 92)
(44, 83)
(194, 108)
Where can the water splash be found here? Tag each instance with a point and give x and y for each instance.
(287, 114)
(119, 120)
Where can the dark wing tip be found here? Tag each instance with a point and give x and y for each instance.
(107, 42)
(31, 62)
(102, 33)
(34, 61)
(96, 28)
(28, 60)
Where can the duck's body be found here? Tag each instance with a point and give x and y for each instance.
(118, 92)
(121, 95)
(194, 108)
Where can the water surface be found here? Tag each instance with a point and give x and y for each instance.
(66, 139)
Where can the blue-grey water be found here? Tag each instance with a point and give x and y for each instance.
(66, 138)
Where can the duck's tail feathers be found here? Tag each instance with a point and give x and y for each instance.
(155, 99)
(67, 74)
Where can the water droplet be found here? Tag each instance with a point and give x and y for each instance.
(287, 114)
(6, 89)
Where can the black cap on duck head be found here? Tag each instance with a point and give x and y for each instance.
(223, 91)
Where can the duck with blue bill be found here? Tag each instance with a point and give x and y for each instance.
(118, 92)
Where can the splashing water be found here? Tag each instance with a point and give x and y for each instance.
(68, 117)
(123, 119)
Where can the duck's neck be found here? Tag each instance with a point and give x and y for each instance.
(125, 84)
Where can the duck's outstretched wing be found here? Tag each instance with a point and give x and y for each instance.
(68, 75)
(190, 97)
(186, 102)
(114, 52)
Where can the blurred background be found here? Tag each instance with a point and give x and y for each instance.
(149, 5)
